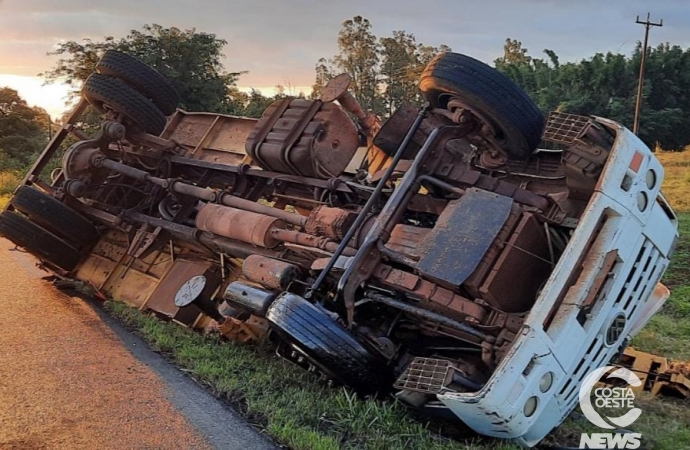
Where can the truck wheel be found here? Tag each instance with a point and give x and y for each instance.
(38, 241)
(143, 78)
(515, 119)
(56, 217)
(102, 90)
(327, 343)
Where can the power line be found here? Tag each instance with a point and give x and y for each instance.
(647, 25)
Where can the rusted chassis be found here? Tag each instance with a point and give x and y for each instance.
(368, 250)
(232, 225)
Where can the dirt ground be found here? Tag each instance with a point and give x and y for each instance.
(66, 381)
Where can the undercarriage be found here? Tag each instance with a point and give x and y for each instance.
(403, 255)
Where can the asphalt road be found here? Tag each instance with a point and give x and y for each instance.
(72, 378)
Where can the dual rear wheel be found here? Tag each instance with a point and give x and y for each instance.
(129, 87)
(47, 228)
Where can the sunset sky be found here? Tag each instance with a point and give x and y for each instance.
(278, 42)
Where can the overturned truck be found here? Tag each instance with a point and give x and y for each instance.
(439, 255)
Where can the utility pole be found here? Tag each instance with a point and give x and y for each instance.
(647, 25)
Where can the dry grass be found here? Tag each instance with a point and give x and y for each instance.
(8, 183)
(676, 185)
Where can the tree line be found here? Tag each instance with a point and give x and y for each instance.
(606, 85)
(24, 130)
(384, 71)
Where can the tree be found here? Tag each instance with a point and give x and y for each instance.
(513, 54)
(398, 64)
(384, 71)
(190, 59)
(23, 129)
(359, 57)
(605, 85)
(324, 72)
(257, 103)
(402, 62)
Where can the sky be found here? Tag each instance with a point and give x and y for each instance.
(279, 41)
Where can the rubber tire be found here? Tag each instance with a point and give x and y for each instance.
(101, 89)
(142, 77)
(490, 93)
(320, 337)
(38, 241)
(56, 217)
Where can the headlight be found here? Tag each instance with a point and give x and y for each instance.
(530, 406)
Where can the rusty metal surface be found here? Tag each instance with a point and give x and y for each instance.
(269, 272)
(393, 130)
(460, 175)
(368, 255)
(427, 375)
(329, 222)
(210, 137)
(605, 273)
(564, 128)
(405, 239)
(586, 150)
(259, 173)
(285, 139)
(254, 330)
(162, 299)
(248, 205)
(337, 89)
(462, 236)
(520, 270)
(308, 240)
(245, 226)
(434, 296)
(657, 374)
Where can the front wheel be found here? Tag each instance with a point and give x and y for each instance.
(456, 80)
(325, 342)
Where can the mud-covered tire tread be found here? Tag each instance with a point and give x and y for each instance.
(56, 217)
(101, 89)
(142, 77)
(38, 241)
(484, 88)
(328, 343)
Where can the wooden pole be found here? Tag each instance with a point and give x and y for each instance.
(638, 103)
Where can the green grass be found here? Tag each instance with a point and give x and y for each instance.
(293, 407)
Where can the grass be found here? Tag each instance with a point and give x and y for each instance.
(676, 178)
(293, 408)
(301, 413)
(8, 183)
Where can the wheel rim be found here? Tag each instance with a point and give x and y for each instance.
(455, 104)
